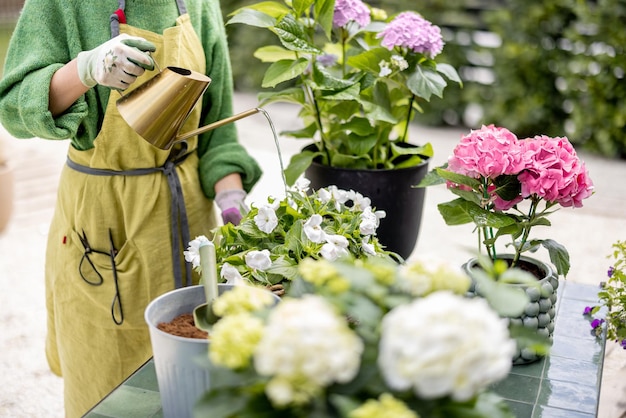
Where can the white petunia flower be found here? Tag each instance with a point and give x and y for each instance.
(313, 229)
(369, 222)
(231, 274)
(340, 196)
(444, 345)
(259, 260)
(324, 195)
(302, 184)
(361, 202)
(266, 220)
(192, 255)
(336, 246)
(367, 247)
(306, 346)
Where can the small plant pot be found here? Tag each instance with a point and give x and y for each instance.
(181, 378)
(539, 313)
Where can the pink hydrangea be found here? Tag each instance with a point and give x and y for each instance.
(412, 31)
(351, 10)
(487, 152)
(554, 172)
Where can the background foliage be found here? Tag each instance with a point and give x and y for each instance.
(536, 67)
(533, 66)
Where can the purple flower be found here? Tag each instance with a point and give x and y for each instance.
(351, 10)
(327, 60)
(623, 344)
(412, 31)
(611, 271)
(587, 310)
(596, 323)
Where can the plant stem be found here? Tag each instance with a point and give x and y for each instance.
(405, 134)
(487, 230)
(531, 217)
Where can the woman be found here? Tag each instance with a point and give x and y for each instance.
(126, 210)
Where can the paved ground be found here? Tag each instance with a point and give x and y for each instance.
(30, 390)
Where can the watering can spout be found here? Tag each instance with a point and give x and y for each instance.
(158, 108)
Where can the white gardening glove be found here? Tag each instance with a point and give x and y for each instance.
(116, 63)
(231, 203)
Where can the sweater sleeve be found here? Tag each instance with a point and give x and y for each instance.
(219, 150)
(37, 49)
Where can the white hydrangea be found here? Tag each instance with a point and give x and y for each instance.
(306, 346)
(444, 344)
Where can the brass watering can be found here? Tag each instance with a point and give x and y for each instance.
(159, 107)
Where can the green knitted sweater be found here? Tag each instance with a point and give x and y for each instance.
(50, 33)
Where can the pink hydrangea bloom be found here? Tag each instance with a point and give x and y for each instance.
(487, 152)
(351, 10)
(554, 172)
(412, 31)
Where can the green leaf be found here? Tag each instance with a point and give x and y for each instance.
(450, 72)
(370, 60)
(291, 95)
(273, 53)
(558, 256)
(283, 70)
(358, 125)
(360, 145)
(425, 82)
(292, 36)
(506, 299)
(323, 80)
(271, 8)
(431, 179)
(508, 187)
(458, 178)
(426, 150)
(251, 17)
(460, 211)
(298, 164)
(325, 11)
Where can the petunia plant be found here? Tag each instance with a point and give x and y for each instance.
(358, 339)
(507, 186)
(274, 236)
(357, 74)
(612, 299)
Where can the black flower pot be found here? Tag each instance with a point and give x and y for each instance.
(393, 191)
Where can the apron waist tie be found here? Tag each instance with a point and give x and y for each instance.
(180, 224)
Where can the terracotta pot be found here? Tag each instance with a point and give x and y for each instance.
(6, 194)
(540, 311)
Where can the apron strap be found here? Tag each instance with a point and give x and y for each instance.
(180, 224)
(118, 16)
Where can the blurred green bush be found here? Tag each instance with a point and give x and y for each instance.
(536, 67)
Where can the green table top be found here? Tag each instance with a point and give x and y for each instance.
(565, 384)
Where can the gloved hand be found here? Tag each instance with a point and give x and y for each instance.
(116, 63)
(231, 203)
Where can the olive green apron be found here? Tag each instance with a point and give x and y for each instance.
(124, 215)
